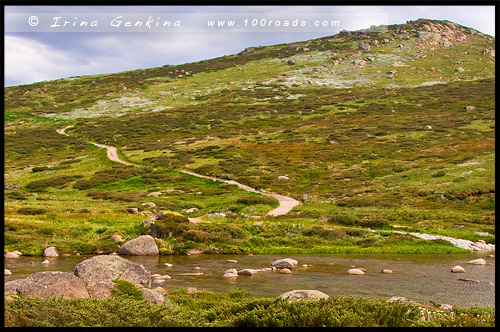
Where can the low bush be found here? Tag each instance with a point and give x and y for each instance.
(252, 200)
(55, 182)
(31, 210)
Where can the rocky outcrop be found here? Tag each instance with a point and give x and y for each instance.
(144, 245)
(53, 284)
(307, 294)
(364, 46)
(51, 252)
(99, 272)
(460, 243)
(285, 263)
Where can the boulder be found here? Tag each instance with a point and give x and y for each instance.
(355, 272)
(457, 269)
(247, 272)
(144, 245)
(10, 287)
(53, 284)
(231, 271)
(478, 261)
(285, 271)
(154, 296)
(18, 252)
(11, 255)
(116, 238)
(99, 272)
(6, 272)
(283, 263)
(50, 252)
(307, 294)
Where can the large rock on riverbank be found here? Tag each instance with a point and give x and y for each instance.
(144, 245)
(99, 272)
(52, 284)
(304, 294)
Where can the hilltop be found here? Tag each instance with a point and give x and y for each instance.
(369, 129)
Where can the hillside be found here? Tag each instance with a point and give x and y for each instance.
(378, 129)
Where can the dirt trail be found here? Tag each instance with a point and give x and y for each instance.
(286, 203)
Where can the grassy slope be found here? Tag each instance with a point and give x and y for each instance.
(359, 150)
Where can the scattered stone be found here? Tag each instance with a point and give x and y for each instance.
(231, 271)
(386, 271)
(77, 254)
(447, 307)
(50, 252)
(355, 272)
(362, 269)
(155, 194)
(265, 269)
(154, 296)
(285, 271)
(427, 127)
(197, 268)
(195, 274)
(364, 46)
(192, 290)
(478, 261)
(359, 62)
(191, 210)
(491, 256)
(45, 262)
(146, 223)
(246, 51)
(305, 265)
(467, 279)
(6, 272)
(400, 29)
(306, 294)
(459, 69)
(141, 246)
(287, 263)
(282, 177)
(65, 255)
(116, 238)
(290, 62)
(132, 210)
(491, 283)
(53, 284)
(99, 272)
(373, 42)
(150, 204)
(11, 255)
(18, 252)
(232, 261)
(247, 272)
(457, 269)
(169, 265)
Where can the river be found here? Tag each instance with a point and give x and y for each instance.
(417, 277)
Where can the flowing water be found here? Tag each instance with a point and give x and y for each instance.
(417, 277)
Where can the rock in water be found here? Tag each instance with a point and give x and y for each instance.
(457, 269)
(478, 261)
(386, 271)
(355, 272)
(230, 275)
(53, 284)
(285, 271)
(50, 252)
(6, 272)
(99, 272)
(11, 255)
(247, 272)
(142, 246)
(285, 263)
(308, 295)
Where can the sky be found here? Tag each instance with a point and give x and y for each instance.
(38, 47)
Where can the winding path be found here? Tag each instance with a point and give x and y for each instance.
(286, 203)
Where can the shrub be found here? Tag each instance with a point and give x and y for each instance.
(56, 182)
(126, 288)
(342, 218)
(251, 200)
(31, 210)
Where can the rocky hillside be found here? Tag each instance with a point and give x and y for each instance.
(391, 126)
